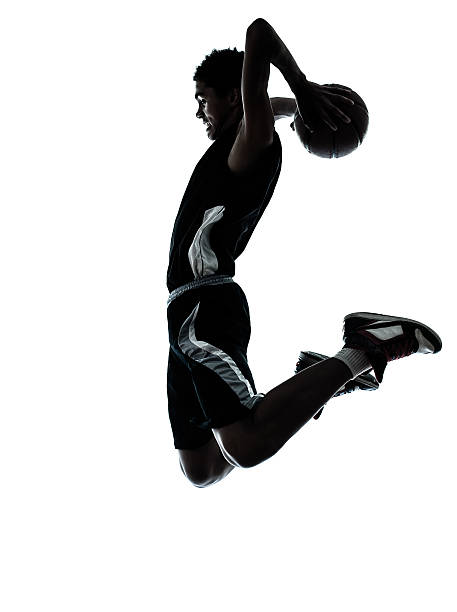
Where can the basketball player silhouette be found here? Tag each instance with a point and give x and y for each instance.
(219, 420)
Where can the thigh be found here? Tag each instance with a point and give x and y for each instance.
(214, 338)
(184, 408)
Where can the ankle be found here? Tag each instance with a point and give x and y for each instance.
(355, 359)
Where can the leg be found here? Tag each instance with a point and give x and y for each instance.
(281, 413)
(200, 457)
(369, 337)
(213, 339)
(248, 427)
(364, 382)
(205, 465)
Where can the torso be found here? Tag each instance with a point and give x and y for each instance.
(220, 208)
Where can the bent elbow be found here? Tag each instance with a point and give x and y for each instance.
(256, 24)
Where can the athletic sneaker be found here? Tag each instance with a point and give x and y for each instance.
(385, 338)
(364, 382)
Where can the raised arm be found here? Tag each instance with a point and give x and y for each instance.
(262, 48)
(257, 126)
(315, 102)
(277, 53)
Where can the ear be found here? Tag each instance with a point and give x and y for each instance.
(235, 96)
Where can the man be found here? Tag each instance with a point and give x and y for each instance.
(219, 421)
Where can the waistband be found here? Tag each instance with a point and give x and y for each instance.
(214, 279)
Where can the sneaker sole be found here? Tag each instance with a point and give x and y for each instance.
(357, 319)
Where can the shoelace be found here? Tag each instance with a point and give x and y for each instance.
(400, 348)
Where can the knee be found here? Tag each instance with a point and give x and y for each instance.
(200, 483)
(197, 475)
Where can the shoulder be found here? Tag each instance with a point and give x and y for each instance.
(249, 148)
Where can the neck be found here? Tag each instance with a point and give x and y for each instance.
(235, 119)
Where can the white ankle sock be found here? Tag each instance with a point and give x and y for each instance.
(355, 359)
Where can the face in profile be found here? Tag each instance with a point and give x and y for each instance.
(217, 113)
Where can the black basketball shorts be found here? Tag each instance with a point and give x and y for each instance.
(209, 381)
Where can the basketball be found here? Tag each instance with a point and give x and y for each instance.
(328, 143)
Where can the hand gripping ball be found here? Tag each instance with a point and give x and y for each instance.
(326, 142)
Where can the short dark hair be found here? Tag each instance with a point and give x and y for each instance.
(221, 70)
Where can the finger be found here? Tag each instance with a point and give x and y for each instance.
(344, 118)
(340, 98)
(333, 87)
(331, 125)
(328, 121)
(309, 125)
(339, 113)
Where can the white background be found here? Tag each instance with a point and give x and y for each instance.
(98, 141)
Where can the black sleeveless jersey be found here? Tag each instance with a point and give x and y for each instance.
(219, 211)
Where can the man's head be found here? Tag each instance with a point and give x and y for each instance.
(218, 90)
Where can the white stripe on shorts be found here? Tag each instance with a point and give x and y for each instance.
(215, 359)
